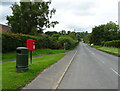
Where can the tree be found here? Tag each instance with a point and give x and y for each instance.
(68, 32)
(63, 32)
(112, 29)
(106, 32)
(73, 35)
(81, 35)
(97, 35)
(31, 17)
(50, 33)
(87, 38)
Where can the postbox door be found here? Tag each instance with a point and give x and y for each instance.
(31, 44)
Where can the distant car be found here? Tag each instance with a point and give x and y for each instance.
(91, 44)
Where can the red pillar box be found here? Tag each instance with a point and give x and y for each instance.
(30, 43)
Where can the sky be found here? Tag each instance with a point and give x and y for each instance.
(74, 15)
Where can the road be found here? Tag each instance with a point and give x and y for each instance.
(91, 69)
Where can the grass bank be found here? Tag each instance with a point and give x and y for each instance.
(12, 55)
(111, 50)
(12, 80)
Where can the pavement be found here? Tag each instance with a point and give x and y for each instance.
(51, 77)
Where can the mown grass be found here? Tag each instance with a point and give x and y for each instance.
(12, 79)
(12, 55)
(0, 76)
(111, 50)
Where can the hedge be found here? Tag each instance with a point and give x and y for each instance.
(11, 41)
(113, 43)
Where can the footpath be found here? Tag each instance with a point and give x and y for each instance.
(51, 77)
(34, 57)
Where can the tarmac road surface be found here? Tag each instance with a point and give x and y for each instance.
(91, 69)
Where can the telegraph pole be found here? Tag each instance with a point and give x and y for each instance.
(119, 14)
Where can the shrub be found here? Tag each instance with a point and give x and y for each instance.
(113, 43)
(56, 36)
(11, 41)
(69, 42)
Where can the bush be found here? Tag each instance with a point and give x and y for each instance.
(69, 42)
(11, 41)
(113, 43)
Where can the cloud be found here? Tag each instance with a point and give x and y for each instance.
(85, 14)
(80, 15)
(6, 3)
(4, 11)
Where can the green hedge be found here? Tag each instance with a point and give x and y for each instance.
(113, 43)
(11, 41)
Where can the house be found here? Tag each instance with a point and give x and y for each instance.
(4, 28)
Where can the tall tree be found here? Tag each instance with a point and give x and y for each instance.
(97, 35)
(106, 32)
(31, 17)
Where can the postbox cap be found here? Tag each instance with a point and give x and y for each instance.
(30, 40)
(19, 48)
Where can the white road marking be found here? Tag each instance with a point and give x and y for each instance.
(93, 53)
(102, 61)
(90, 51)
(66, 69)
(114, 71)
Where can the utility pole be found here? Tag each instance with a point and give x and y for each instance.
(119, 14)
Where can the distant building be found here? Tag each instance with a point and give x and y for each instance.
(4, 28)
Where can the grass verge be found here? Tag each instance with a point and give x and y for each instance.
(111, 50)
(12, 80)
(12, 55)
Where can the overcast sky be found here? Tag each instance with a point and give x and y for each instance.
(78, 15)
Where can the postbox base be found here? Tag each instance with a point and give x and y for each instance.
(21, 69)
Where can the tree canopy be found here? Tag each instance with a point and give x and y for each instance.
(31, 17)
(106, 32)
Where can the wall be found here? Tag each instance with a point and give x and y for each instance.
(4, 28)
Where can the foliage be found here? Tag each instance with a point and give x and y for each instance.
(12, 41)
(63, 39)
(81, 35)
(63, 32)
(67, 41)
(56, 36)
(113, 43)
(31, 17)
(106, 32)
(50, 33)
(68, 32)
(87, 38)
(73, 35)
(97, 35)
